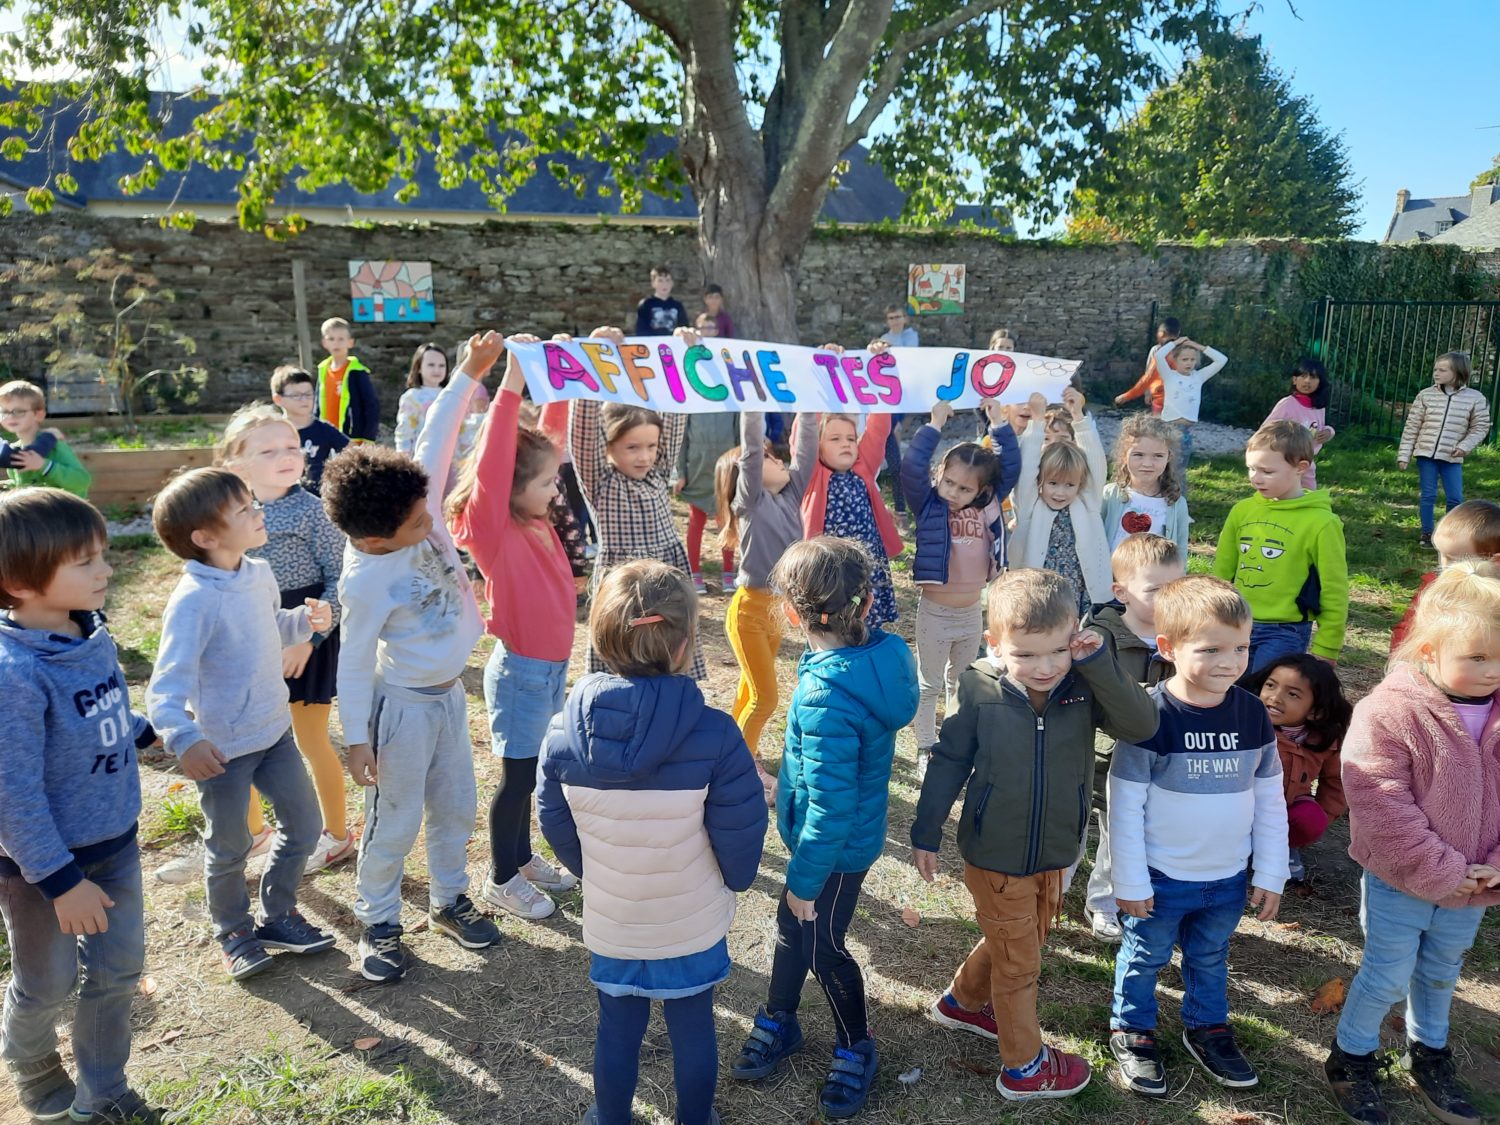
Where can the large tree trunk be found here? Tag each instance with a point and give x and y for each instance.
(740, 254)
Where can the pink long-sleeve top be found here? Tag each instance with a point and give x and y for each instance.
(871, 457)
(1423, 793)
(527, 580)
(1291, 409)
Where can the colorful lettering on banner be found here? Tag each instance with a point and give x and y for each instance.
(720, 374)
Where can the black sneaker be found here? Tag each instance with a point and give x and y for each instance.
(382, 957)
(1355, 1081)
(1218, 1053)
(293, 933)
(1425, 540)
(43, 1087)
(464, 924)
(1438, 1085)
(850, 1076)
(128, 1109)
(244, 956)
(775, 1036)
(1140, 1061)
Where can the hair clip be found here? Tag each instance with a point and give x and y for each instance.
(823, 619)
(649, 619)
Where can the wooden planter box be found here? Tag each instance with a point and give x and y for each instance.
(133, 476)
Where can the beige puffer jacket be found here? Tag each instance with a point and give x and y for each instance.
(1440, 424)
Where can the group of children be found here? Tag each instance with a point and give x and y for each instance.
(1107, 681)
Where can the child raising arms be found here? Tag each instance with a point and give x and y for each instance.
(1146, 494)
(760, 509)
(960, 550)
(648, 793)
(1057, 498)
(499, 512)
(1422, 778)
(856, 687)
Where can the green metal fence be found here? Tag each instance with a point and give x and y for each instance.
(1379, 354)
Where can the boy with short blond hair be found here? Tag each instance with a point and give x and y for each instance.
(1042, 696)
(1191, 808)
(1141, 565)
(1283, 549)
(70, 795)
(346, 389)
(1469, 531)
(295, 392)
(36, 456)
(219, 700)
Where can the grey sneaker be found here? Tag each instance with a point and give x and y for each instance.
(548, 876)
(128, 1109)
(43, 1087)
(518, 897)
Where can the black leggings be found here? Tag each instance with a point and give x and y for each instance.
(819, 945)
(510, 818)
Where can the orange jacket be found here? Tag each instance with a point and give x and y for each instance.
(867, 464)
(1302, 765)
(1149, 385)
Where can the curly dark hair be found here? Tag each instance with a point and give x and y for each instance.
(370, 490)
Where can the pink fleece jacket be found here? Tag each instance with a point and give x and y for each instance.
(867, 464)
(1424, 797)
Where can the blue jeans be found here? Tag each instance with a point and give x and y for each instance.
(1197, 916)
(1272, 639)
(281, 777)
(45, 964)
(1429, 471)
(1413, 949)
(617, 1054)
(521, 694)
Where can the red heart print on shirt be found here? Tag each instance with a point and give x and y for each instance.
(1134, 522)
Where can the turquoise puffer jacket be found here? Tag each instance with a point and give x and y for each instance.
(836, 772)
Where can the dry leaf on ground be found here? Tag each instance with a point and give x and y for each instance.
(368, 1043)
(1330, 996)
(147, 986)
(910, 916)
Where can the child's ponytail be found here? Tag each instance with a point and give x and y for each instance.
(726, 484)
(826, 583)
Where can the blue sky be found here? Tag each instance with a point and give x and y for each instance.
(1410, 87)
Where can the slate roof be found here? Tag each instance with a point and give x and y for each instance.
(1479, 232)
(863, 194)
(1420, 217)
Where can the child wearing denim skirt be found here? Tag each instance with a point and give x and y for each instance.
(499, 511)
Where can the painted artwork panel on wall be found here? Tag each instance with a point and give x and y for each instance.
(935, 290)
(391, 291)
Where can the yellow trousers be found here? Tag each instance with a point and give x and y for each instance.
(310, 729)
(754, 627)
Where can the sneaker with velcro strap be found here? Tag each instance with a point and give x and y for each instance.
(850, 1076)
(294, 934)
(43, 1087)
(774, 1037)
(1140, 1062)
(1216, 1051)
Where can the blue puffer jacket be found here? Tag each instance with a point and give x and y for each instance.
(651, 797)
(836, 773)
(933, 536)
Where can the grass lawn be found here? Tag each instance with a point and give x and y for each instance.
(507, 1034)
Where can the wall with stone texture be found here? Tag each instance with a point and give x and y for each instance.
(234, 289)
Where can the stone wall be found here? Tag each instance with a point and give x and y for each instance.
(234, 289)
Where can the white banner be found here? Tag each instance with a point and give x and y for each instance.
(664, 374)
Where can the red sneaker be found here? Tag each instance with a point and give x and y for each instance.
(1061, 1076)
(948, 1013)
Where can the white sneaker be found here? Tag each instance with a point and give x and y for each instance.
(548, 876)
(520, 898)
(1106, 927)
(261, 842)
(329, 850)
(184, 869)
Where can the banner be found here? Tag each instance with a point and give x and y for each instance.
(662, 373)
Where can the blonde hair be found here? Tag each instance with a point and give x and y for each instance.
(726, 484)
(1063, 459)
(1133, 429)
(1463, 370)
(1002, 341)
(245, 421)
(1473, 526)
(29, 393)
(1136, 552)
(826, 581)
(335, 322)
(1031, 601)
(644, 619)
(1290, 439)
(1186, 605)
(1462, 601)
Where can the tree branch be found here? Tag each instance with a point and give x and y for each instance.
(895, 63)
(669, 15)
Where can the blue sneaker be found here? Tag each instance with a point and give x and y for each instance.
(775, 1037)
(293, 933)
(847, 1087)
(244, 956)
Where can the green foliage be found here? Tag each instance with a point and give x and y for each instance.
(1488, 176)
(1226, 150)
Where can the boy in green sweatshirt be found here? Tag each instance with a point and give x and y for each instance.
(1283, 549)
(35, 457)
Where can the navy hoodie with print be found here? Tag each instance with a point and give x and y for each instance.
(70, 790)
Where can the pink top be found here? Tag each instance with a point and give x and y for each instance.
(1474, 716)
(871, 457)
(527, 580)
(971, 562)
(1290, 410)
